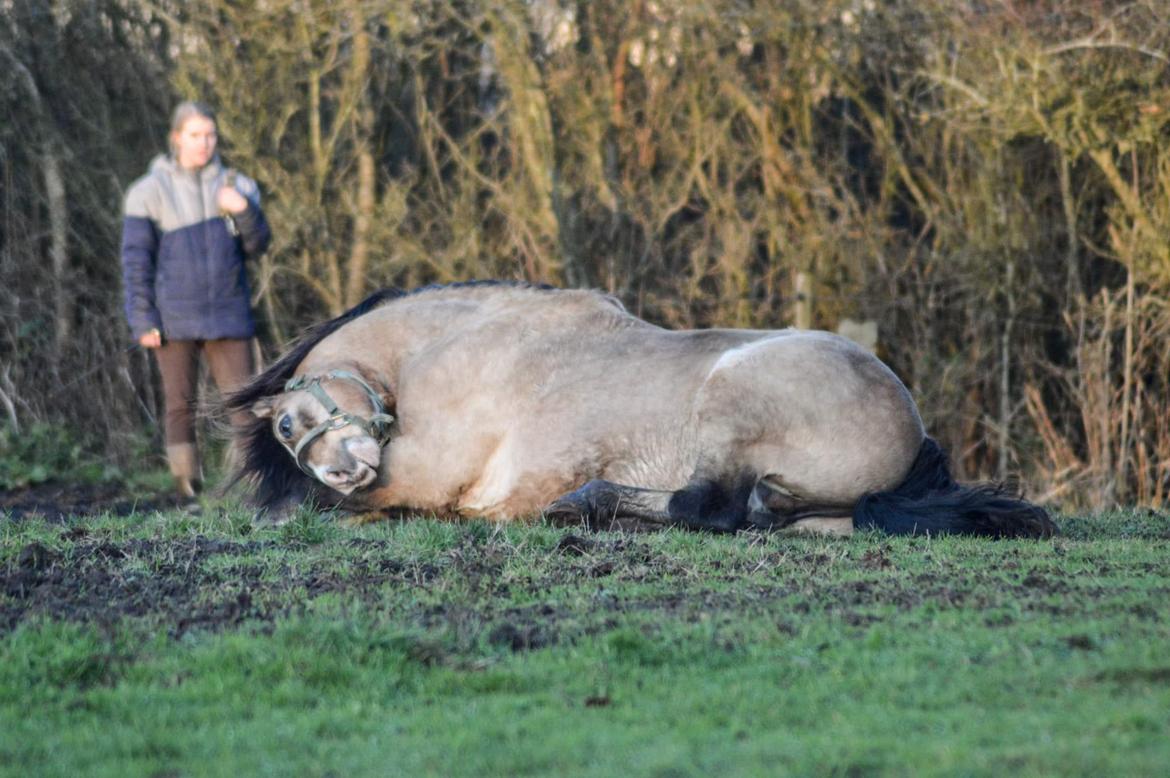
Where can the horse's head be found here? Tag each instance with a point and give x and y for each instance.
(334, 424)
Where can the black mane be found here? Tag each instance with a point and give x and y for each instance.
(263, 460)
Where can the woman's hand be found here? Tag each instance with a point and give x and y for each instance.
(231, 201)
(150, 339)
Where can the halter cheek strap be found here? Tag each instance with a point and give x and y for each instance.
(377, 426)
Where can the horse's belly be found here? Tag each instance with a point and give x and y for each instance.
(650, 471)
(495, 484)
(513, 484)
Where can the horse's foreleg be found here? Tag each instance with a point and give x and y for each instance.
(708, 505)
(598, 503)
(717, 505)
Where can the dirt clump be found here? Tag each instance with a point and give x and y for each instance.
(60, 502)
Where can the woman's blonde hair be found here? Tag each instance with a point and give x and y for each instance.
(184, 111)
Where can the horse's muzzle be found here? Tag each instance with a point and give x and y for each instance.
(359, 466)
(359, 476)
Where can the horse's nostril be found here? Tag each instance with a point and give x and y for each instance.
(345, 477)
(365, 450)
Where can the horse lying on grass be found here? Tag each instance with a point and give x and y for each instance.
(509, 400)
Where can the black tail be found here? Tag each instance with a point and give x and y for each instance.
(930, 501)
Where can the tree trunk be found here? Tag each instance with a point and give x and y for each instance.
(1073, 290)
(804, 304)
(1005, 374)
(359, 256)
(58, 247)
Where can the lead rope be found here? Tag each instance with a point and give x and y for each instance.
(229, 180)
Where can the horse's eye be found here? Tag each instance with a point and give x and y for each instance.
(284, 427)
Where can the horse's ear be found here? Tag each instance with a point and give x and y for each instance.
(262, 408)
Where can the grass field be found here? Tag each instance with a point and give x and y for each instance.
(162, 644)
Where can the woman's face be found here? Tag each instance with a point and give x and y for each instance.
(195, 142)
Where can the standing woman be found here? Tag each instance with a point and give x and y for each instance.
(189, 225)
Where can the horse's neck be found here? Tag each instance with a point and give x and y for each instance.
(321, 363)
(383, 339)
(375, 345)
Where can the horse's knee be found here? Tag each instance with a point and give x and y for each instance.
(711, 504)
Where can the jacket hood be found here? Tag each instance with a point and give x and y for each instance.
(166, 164)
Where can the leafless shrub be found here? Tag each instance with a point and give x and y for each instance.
(989, 182)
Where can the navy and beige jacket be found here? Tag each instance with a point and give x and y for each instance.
(182, 260)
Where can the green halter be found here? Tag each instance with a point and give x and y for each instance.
(376, 426)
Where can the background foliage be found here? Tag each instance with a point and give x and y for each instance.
(988, 182)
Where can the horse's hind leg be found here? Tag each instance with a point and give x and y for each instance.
(842, 527)
(708, 505)
(774, 506)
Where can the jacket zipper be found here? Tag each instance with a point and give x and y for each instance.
(208, 295)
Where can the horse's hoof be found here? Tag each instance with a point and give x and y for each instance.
(762, 519)
(568, 511)
(767, 520)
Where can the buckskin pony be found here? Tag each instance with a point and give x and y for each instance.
(509, 400)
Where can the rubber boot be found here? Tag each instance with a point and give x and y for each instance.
(184, 461)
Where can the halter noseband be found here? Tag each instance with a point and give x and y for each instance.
(376, 426)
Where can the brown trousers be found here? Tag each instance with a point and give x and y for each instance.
(231, 365)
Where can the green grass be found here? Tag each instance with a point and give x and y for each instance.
(426, 648)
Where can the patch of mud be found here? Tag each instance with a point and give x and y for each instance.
(102, 582)
(59, 502)
(170, 583)
(470, 592)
